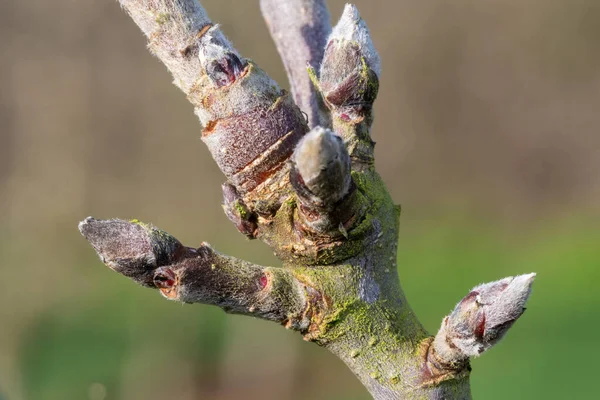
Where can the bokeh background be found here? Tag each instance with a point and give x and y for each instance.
(487, 126)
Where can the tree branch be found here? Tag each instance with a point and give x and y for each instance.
(314, 198)
(251, 125)
(155, 259)
(300, 29)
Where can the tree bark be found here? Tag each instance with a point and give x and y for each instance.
(312, 195)
(300, 29)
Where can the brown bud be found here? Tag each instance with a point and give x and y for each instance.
(225, 70)
(320, 176)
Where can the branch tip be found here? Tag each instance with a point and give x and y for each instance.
(349, 73)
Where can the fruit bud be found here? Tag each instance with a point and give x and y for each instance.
(482, 318)
(322, 164)
(349, 74)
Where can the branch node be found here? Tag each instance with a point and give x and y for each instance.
(237, 211)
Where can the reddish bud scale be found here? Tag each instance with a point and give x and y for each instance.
(349, 92)
(263, 281)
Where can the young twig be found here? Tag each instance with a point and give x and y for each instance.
(300, 29)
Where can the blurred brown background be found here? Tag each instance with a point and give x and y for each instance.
(487, 129)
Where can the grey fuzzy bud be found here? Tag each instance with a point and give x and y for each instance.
(482, 318)
(349, 73)
(323, 165)
(131, 248)
(353, 29)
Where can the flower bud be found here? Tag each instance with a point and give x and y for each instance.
(323, 166)
(349, 74)
(482, 318)
(131, 248)
(220, 61)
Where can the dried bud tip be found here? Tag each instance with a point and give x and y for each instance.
(219, 59)
(131, 248)
(323, 164)
(482, 318)
(352, 28)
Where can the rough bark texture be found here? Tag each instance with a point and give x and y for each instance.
(314, 197)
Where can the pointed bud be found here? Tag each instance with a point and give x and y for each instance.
(131, 248)
(220, 61)
(352, 28)
(482, 318)
(322, 164)
(349, 74)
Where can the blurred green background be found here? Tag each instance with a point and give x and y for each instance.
(487, 126)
